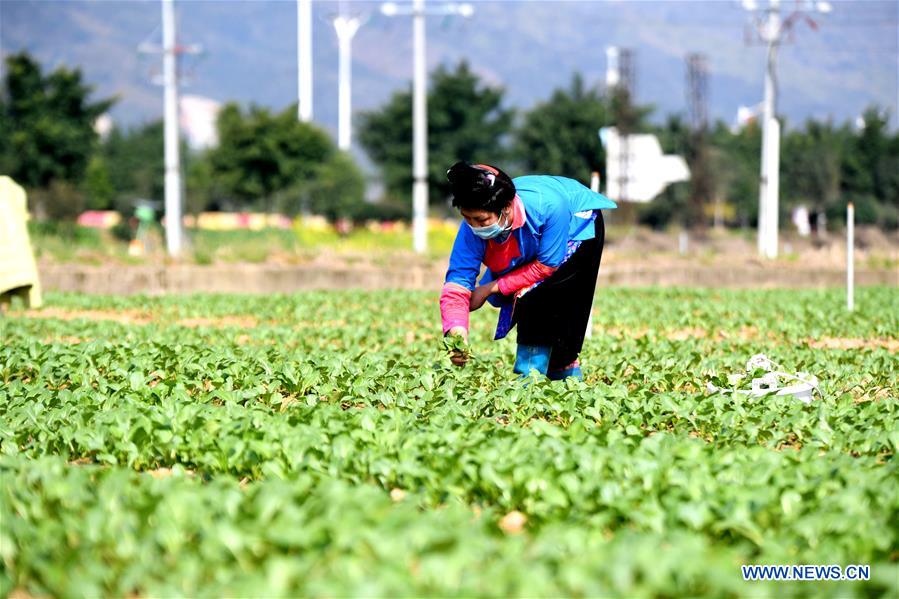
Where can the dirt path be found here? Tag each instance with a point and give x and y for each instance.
(273, 278)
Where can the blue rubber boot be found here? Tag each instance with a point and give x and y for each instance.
(532, 357)
(558, 375)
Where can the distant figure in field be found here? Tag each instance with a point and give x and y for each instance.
(541, 238)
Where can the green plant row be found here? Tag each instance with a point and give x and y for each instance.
(321, 444)
(93, 531)
(782, 314)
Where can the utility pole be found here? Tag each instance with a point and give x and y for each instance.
(771, 30)
(2, 53)
(850, 257)
(769, 183)
(346, 27)
(419, 131)
(420, 108)
(173, 201)
(304, 60)
(171, 79)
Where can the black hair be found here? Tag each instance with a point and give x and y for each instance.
(480, 187)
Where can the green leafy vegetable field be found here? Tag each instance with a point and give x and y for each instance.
(322, 444)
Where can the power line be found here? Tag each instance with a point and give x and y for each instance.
(346, 27)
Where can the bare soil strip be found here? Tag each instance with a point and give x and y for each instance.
(245, 321)
(139, 318)
(891, 345)
(750, 333)
(122, 316)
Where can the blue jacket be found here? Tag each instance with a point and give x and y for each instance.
(557, 210)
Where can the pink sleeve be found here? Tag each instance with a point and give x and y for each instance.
(523, 277)
(454, 306)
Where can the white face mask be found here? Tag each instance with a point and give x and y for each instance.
(492, 231)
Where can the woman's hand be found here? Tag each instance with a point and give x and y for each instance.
(480, 295)
(458, 357)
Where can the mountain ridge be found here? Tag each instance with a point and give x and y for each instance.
(529, 48)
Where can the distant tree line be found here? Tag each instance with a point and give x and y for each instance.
(264, 161)
(823, 164)
(267, 160)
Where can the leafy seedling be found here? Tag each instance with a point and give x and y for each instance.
(456, 345)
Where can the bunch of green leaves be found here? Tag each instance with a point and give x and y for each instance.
(456, 344)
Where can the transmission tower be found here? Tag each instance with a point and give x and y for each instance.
(623, 81)
(627, 76)
(697, 90)
(698, 151)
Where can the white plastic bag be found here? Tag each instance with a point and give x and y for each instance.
(775, 381)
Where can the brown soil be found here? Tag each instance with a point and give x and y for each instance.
(166, 472)
(744, 332)
(891, 345)
(513, 522)
(134, 317)
(67, 339)
(122, 316)
(688, 333)
(244, 322)
(751, 332)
